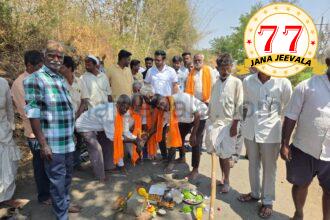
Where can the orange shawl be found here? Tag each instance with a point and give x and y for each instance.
(118, 144)
(137, 132)
(173, 137)
(206, 83)
(151, 119)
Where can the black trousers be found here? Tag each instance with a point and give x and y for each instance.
(185, 129)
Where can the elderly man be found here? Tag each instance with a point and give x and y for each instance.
(265, 98)
(33, 62)
(51, 114)
(183, 112)
(120, 76)
(96, 83)
(103, 126)
(309, 154)
(200, 80)
(225, 113)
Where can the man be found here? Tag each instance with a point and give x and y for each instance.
(120, 76)
(135, 66)
(265, 98)
(96, 83)
(51, 116)
(200, 80)
(162, 78)
(309, 154)
(186, 56)
(79, 96)
(149, 62)
(185, 110)
(104, 128)
(164, 81)
(33, 61)
(225, 113)
(180, 71)
(137, 85)
(76, 86)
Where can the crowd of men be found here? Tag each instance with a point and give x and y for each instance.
(126, 111)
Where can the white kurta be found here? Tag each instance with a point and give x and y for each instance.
(225, 106)
(9, 152)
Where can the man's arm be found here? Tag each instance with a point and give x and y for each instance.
(193, 140)
(82, 107)
(287, 130)
(238, 103)
(33, 97)
(292, 114)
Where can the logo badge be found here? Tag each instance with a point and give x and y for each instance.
(280, 40)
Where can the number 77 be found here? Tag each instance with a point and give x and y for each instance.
(269, 43)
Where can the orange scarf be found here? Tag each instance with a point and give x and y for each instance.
(160, 118)
(151, 119)
(173, 136)
(118, 144)
(206, 83)
(137, 132)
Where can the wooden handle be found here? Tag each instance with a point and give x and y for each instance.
(213, 186)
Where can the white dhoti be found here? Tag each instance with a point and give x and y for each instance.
(9, 157)
(218, 140)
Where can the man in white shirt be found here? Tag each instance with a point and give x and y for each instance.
(225, 110)
(163, 78)
(96, 82)
(97, 126)
(265, 98)
(181, 71)
(188, 110)
(309, 154)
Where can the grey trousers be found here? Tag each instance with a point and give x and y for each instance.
(100, 151)
(266, 155)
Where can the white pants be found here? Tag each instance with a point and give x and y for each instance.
(266, 155)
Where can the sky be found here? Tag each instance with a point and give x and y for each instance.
(215, 18)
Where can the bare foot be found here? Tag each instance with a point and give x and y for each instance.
(193, 174)
(169, 167)
(47, 202)
(15, 203)
(181, 160)
(123, 170)
(297, 216)
(75, 208)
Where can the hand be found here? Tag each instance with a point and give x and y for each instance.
(233, 130)
(286, 153)
(192, 140)
(46, 153)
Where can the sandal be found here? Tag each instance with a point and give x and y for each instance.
(247, 198)
(265, 211)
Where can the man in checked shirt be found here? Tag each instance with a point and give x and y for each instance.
(49, 109)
